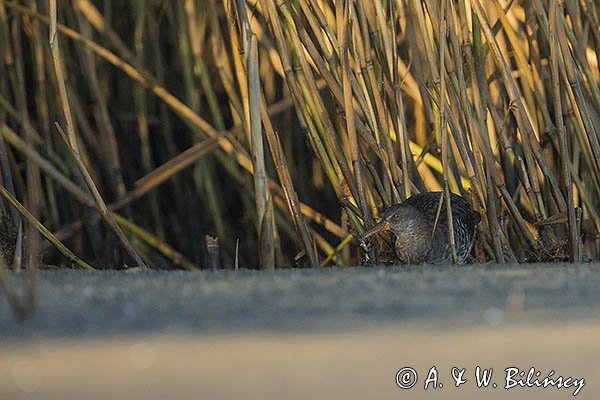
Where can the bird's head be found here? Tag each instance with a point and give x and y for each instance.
(398, 219)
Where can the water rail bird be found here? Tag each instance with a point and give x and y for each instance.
(419, 238)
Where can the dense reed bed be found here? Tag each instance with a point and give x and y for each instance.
(207, 133)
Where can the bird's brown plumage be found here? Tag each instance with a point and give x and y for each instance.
(412, 223)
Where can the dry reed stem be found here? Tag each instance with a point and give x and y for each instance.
(72, 140)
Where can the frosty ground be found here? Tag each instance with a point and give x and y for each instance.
(340, 332)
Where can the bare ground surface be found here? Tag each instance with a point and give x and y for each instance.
(334, 333)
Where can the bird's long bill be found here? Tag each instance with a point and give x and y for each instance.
(380, 227)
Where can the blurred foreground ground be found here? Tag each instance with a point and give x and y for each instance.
(334, 333)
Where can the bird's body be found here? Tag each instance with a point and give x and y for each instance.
(413, 222)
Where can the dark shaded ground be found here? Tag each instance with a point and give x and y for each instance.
(333, 333)
(73, 303)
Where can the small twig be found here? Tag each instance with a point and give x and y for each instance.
(212, 247)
